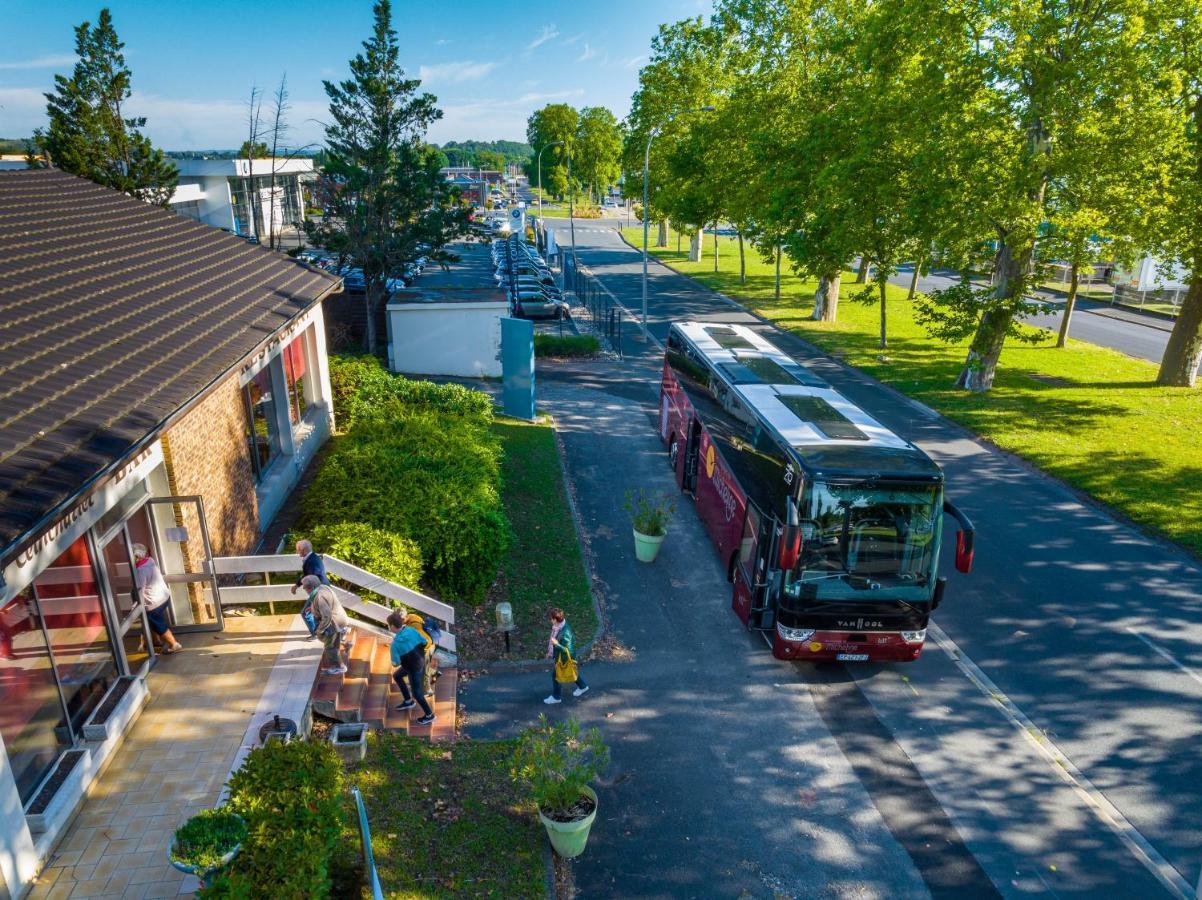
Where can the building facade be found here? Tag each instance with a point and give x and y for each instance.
(164, 384)
(238, 194)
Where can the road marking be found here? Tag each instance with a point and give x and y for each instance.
(1094, 799)
(1169, 656)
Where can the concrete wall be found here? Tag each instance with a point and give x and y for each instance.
(461, 339)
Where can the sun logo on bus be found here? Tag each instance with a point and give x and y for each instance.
(710, 461)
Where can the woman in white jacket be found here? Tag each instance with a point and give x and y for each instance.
(155, 595)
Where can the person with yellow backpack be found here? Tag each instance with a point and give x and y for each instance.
(418, 624)
(562, 646)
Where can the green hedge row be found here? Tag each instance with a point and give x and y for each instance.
(417, 467)
(555, 345)
(291, 798)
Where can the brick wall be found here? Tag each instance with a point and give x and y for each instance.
(207, 454)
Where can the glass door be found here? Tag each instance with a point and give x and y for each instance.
(184, 555)
(117, 556)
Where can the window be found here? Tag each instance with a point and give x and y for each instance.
(31, 717)
(296, 372)
(263, 428)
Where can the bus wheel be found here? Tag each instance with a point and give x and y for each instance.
(730, 570)
(673, 451)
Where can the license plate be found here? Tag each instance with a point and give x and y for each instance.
(852, 657)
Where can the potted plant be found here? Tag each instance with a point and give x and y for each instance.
(650, 512)
(206, 843)
(557, 761)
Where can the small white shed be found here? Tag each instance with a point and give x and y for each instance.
(446, 332)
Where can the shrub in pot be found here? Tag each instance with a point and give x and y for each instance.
(650, 512)
(558, 761)
(207, 842)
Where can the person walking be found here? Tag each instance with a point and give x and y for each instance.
(155, 594)
(562, 646)
(408, 661)
(332, 622)
(418, 624)
(312, 564)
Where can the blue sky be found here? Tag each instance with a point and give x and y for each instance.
(194, 63)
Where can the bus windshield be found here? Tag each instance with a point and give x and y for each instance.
(869, 534)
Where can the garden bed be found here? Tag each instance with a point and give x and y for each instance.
(543, 567)
(449, 822)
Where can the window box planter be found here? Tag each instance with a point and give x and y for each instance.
(61, 790)
(118, 708)
(350, 740)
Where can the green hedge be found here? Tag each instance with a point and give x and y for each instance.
(383, 553)
(417, 461)
(566, 345)
(291, 798)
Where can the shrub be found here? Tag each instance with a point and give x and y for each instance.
(556, 760)
(383, 553)
(290, 796)
(427, 476)
(207, 837)
(566, 345)
(649, 512)
(362, 388)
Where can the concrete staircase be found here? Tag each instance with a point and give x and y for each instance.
(366, 693)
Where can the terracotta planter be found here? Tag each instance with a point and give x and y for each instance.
(569, 838)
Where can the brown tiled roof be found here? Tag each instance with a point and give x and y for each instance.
(113, 315)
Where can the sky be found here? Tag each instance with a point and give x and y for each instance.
(194, 63)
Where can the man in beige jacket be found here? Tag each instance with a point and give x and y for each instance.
(332, 622)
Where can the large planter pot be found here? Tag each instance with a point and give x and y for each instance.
(207, 874)
(569, 838)
(646, 546)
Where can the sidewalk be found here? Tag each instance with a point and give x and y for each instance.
(173, 763)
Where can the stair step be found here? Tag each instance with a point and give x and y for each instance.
(381, 662)
(351, 695)
(359, 665)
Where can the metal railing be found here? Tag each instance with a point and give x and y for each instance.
(376, 613)
(369, 858)
(604, 311)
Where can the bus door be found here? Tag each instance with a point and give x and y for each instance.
(751, 575)
(692, 457)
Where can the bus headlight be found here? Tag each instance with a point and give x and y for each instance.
(914, 637)
(794, 634)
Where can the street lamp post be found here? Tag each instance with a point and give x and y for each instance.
(646, 218)
(571, 210)
(540, 176)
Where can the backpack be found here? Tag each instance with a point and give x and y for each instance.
(432, 629)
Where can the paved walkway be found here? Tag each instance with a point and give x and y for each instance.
(173, 763)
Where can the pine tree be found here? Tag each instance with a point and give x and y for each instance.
(88, 134)
(389, 204)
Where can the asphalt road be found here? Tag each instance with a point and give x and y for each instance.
(1087, 635)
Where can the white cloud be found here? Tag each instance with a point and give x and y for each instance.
(634, 62)
(492, 119)
(442, 42)
(549, 32)
(42, 62)
(455, 72)
(588, 53)
(573, 39)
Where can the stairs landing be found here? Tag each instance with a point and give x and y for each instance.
(366, 693)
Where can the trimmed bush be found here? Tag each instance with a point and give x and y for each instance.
(380, 552)
(566, 345)
(291, 798)
(362, 388)
(425, 475)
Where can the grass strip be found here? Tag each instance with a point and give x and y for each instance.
(566, 345)
(447, 821)
(1090, 416)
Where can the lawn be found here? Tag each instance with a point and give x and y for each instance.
(1087, 415)
(446, 821)
(544, 567)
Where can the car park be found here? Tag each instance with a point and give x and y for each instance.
(527, 280)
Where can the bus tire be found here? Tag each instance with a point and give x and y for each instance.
(673, 451)
(730, 569)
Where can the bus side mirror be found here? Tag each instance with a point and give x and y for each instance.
(965, 538)
(937, 597)
(790, 540)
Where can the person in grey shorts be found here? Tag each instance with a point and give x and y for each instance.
(155, 596)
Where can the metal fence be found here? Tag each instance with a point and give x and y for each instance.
(606, 314)
(369, 858)
(1129, 296)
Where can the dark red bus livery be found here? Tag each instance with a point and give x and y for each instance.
(828, 524)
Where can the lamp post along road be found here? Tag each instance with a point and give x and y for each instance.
(540, 175)
(646, 218)
(571, 212)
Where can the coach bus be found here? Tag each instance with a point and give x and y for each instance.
(829, 524)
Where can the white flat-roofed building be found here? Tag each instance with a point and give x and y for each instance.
(237, 194)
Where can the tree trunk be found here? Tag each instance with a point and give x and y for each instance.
(742, 262)
(913, 282)
(778, 271)
(826, 298)
(661, 239)
(880, 283)
(862, 272)
(715, 249)
(986, 349)
(370, 302)
(1069, 303)
(695, 247)
(1179, 365)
